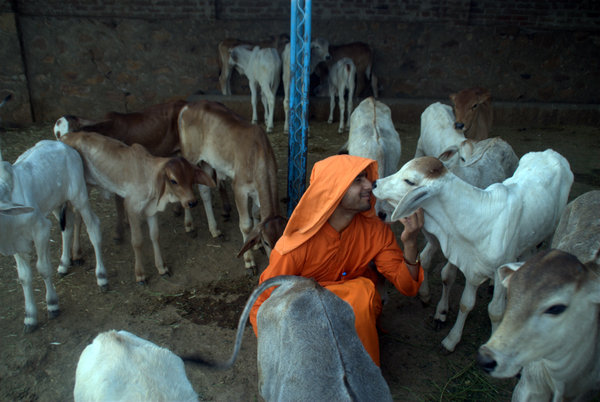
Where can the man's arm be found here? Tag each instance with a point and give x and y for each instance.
(412, 227)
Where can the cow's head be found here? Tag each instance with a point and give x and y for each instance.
(466, 104)
(179, 178)
(267, 232)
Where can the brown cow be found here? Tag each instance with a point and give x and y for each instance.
(225, 69)
(473, 112)
(362, 56)
(146, 183)
(154, 127)
(212, 133)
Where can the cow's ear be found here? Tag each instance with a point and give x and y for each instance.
(484, 96)
(254, 237)
(448, 153)
(201, 177)
(410, 203)
(453, 98)
(505, 272)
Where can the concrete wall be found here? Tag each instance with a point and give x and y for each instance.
(89, 56)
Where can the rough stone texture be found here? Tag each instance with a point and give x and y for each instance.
(87, 57)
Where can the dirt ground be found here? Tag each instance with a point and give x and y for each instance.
(196, 309)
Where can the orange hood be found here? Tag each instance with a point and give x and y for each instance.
(329, 180)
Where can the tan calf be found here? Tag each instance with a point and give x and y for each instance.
(145, 182)
(473, 111)
(212, 133)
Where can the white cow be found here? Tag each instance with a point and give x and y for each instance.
(341, 79)
(262, 67)
(308, 349)
(319, 51)
(550, 329)
(119, 366)
(480, 229)
(437, 131)
(373, 135)
(479, 163)
(42, 180)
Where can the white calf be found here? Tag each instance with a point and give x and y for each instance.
(549, 332)
(479, 163)
(437, 131)
(263, 68)
(341, 79)
(119, 366)
(319, 51)
(478, 230)
(43, 180)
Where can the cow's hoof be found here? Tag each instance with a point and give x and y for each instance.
(438, 324)
(52, 314)
(29, 328)
(103, 288)
(251, 272)
(142, 282)
(167, 274)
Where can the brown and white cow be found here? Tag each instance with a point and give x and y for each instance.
(472, 109)
(146, 183)
(212, 133)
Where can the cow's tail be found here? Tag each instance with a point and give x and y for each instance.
(194, 358)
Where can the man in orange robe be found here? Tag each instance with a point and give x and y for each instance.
(333, 235)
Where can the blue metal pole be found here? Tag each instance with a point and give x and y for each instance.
(299, 85)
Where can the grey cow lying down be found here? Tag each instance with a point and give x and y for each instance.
(308, 348)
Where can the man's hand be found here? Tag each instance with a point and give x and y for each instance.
(412, 227)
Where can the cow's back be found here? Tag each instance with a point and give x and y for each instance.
(308, 348)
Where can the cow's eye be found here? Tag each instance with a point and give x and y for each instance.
(474, 107)
(556, 309)
(410, 183)
(173, 181)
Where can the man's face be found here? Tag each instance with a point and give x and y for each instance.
(358, 195)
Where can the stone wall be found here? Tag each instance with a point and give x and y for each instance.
(89, 56)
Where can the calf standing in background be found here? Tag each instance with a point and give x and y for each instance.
(145, 182)
(341, 79)
(263, 68)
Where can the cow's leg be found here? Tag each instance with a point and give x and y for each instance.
(426, 260)
(92, 225)
(253, 96)
(245, 224)
(135, 228)
(360, 82)
(208, 209)
(467, 301)
(120, 224)
(342, 107)
(154, 237)
(286, 110)
(331, 105)
(25, 278)
(67, 239)
(448, 278)
(374, 84)
(350, 102)
(225, 79)
(498, 303)
(270, 106)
